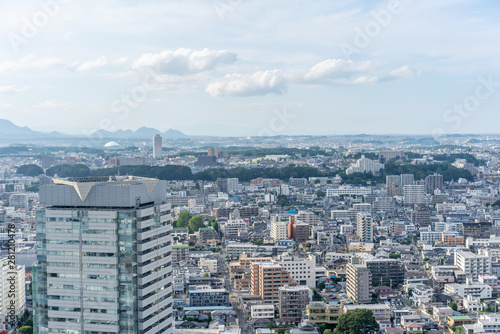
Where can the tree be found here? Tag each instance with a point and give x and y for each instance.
(453, 306)
(30, 170)
(183, 220)
(320, 193)
(205, 274)
(25, 330)
(321, 286)
(358, 321)
(327, 331)
(283, 200)
(195, 223)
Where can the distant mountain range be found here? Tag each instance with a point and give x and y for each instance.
(9, 131)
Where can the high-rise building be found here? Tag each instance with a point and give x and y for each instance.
(393, 180)
(267, 278)
(384, 272)
(213, 152)
(228, 185)
(279, 230)
(359, 281)
(104, 257)
(19, 200)
(157, 146)
(292, 301)
(364, 227)
(414, 194)
(407, 179)
(433, 183)
(364, 165)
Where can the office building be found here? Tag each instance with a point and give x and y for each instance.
(473, 265)
(414, 194)
(279, 230)
(157, 147)
(364, 227)
(359, 281)
(292, 301)
(104, 257)
(433, 183)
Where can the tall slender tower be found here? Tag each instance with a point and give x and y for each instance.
(157, 146)
(104, 257)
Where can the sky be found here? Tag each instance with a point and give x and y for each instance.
(252, 67)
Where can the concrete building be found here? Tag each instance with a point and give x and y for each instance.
(433, 183)
(381, 312)
(19, 201)
(364, 165)
(302, 269)
(407, 179)
(473, 265)
(210, 264)
(267, 278)
(364, 227)
(308, 217)
(279, 230)
(208, 297)
(359, 281)
(12, 290)
(414, 194)
(104, 261)
(157, 146)
(320, 312)
(384, 272)
(292, 301)
(264, 311)
(234, 227)
(180, 252)
(298, 231)
(478, 290)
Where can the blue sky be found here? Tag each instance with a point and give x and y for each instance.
(245, 67)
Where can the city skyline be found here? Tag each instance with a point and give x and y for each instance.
(235, 68)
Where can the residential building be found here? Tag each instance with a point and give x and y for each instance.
(264, 311)
(433, 183)
(473, 265)
(208, 297)
(292, 301)
(364, 228)
(19, 200)
(279, 230)
(384, 272)
(267, 278)
(302, 269)
(104, 257)
(12, 290)
(298, 231)
(479, 290)
(309, 218)
(359, 281)
(381, 312)
(320, 313)
(157, 146)
(452, 240)
(414, 194)
(364, 165)
(210, 264)
(180, 252)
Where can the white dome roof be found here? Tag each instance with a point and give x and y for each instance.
(111, 144)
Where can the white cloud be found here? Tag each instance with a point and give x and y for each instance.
(29, 62)
(332, 69)
(89, 65)
(404, 72)
(48, 104)
(185, 61)
(12, 89)
(121, 61)
(259, 83)
(5, 105)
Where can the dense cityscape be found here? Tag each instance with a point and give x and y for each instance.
(272, 235)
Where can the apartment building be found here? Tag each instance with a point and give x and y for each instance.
(359, 281)
(264, 311)
(292, 301)
(279, 230)
(364, 227)
(180, 252)
(320, 313)
(208, 297)
(473, 265)
(267, 278)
